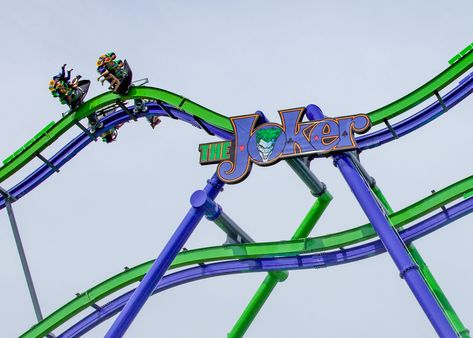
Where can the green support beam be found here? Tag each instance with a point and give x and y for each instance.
(269, 283)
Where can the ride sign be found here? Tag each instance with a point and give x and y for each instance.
(267, 143)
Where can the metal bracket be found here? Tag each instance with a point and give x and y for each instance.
(96, 307)
(85, 130)
(140, 82)
(444, 209)
(391, 129)
(49, 164)
(402, 274)
(217, 186)
(302, 170)
(126, 110)
(442, 103)
(355, 158)
(166, 110)
(140, 106)
(203, 126)
(232, 240)
(7, 195)
(235, 234)
(106, 110)
(214, 213)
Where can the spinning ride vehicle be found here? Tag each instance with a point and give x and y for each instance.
(69, 92)
(116, 72)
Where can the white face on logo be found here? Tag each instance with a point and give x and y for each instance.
(265, 149)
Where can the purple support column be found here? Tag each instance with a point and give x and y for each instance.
(395, 246)
(201, 203)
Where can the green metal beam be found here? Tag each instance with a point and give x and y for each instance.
(269, 283)
(424, 92)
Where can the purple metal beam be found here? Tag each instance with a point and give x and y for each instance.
(201, 202)
(394, 245)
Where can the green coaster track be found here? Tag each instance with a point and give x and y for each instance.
(299, 243)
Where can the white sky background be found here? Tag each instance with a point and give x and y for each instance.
(116, 205)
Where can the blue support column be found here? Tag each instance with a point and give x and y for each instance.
(201, 203)
(394, 245)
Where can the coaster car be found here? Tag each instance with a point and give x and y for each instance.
(79, 93)
(116, 72)
(125, 83)
(71, 93)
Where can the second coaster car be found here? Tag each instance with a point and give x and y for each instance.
(116, 72)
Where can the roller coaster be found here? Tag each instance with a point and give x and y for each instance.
(388, 230)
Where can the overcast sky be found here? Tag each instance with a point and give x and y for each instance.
(116, 205)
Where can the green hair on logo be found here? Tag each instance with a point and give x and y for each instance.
(268, 134)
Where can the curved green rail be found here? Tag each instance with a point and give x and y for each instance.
(253, 250)
(424, 92)
(53, 131)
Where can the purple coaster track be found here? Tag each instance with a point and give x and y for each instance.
(452, 98)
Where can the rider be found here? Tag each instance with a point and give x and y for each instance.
(111, 70)
(61, 86)
(109, 136)
(62, 75)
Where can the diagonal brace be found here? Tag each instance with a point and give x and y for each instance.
(317, 189)
(21, 252)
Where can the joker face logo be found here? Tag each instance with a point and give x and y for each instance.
(265, 139)
(268, 143)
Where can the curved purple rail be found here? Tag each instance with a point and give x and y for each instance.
(82, 140)
(456, 95)
(419, 119)
(317, 260)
